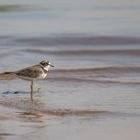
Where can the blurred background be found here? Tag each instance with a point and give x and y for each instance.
(66, 25)
(30, 18)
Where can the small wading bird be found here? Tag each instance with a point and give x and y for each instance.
(35, 72)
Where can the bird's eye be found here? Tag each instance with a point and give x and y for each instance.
(46, 64)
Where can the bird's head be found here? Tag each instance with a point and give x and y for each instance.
(46, 64)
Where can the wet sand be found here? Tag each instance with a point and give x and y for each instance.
(91, 91)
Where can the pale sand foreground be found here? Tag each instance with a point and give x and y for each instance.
(36, 125)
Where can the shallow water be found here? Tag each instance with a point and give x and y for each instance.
(93, 90)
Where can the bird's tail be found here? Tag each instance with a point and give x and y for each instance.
(7, 76)
(7, 72)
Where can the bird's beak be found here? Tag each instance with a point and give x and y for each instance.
(51, 65)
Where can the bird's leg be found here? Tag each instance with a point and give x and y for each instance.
(38, 89)
(31, 93)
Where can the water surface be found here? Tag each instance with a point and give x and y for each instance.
(93, 90)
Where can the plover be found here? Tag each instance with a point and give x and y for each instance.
(35, 72)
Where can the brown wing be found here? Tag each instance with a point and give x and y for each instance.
(32, 72)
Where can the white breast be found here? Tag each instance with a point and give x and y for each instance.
(44, 75)
(44, 72)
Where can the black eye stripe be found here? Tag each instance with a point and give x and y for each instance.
(44, 63)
